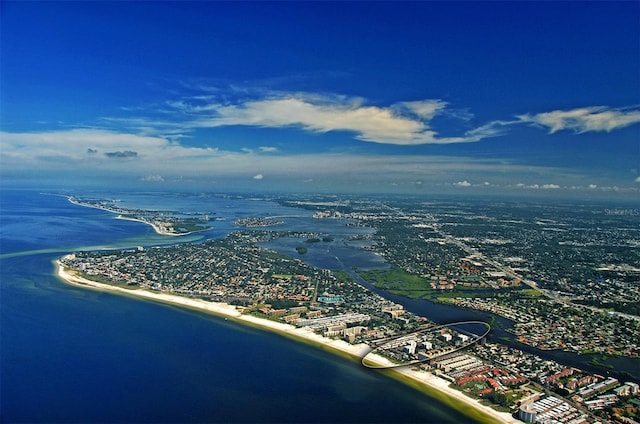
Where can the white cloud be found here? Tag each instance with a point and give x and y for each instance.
(400, 123)
(404, 123)
(81, 155)
(538, 186)
(86, 148)
(581, 120)
(153, 178)
(637, 180)
(370, 123)
(593, 186)
(424, 109)
(94, 148)
(261, 149)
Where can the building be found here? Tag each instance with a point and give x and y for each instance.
(550, 409)
(627, 389)
(411, 347)
(527, 413)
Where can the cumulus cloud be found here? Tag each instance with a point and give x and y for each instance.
(587, 119)
(121, 154)
(464, 183)
(550, 186)
(258, 177)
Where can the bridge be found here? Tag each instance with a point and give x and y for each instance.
(388, 348)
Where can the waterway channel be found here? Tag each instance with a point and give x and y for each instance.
(344, 255)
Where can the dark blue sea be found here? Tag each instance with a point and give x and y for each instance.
(72, 355)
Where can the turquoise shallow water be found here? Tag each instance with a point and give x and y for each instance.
(74, 355)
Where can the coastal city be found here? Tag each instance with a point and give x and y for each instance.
(554, 282)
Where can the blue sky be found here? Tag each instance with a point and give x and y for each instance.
(477, 97)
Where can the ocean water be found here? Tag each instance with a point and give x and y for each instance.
(69, 354)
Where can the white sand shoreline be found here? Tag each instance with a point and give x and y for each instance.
(156, 228)
(423, 378)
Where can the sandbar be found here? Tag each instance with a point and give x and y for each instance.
(424, 381)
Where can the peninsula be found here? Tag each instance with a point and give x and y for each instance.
(165, 223)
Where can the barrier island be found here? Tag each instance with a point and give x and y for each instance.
(238, 280)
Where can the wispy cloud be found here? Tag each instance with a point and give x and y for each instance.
(83, 146)
(161, 161)
(581, 120)
(400, 123)
(153, 178)
(88, 151)
(403, 123)
(424, 109)
(126, 154)
(370, 123)
(261, 149)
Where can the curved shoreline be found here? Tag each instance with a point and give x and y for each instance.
(426, 382)
(156, 228)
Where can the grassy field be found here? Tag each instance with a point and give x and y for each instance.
(400, 282)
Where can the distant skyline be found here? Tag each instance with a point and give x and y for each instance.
(331, 97)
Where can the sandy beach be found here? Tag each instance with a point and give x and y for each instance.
(156, 228)
(159, 230)
(421, 380)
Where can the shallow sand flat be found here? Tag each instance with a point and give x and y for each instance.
(426, 380)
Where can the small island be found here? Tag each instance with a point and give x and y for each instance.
(258, 222)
